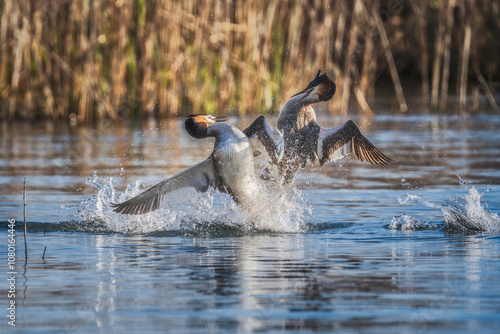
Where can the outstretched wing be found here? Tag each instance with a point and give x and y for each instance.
(336, 143)
(272, 139)
(199, 178)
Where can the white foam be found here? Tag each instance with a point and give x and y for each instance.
(276, 209)
(409, 223)
(467, 212)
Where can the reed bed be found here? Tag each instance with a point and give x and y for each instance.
(87, 60)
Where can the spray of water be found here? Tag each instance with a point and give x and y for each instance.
(467, 212)
(409, 223)
(278, 209)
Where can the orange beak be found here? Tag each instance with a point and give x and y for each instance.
(205, 118)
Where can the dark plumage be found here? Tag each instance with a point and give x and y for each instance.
(230, 169)
(305, 140)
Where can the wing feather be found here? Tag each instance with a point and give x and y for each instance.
(200, 177)
(336, 143)
(272, 139)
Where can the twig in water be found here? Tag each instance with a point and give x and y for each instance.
(43, 255)
(25, 228)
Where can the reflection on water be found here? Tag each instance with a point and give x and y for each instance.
(299, 282)
(346, 270)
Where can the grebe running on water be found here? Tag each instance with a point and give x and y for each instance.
(305, 140)
(229, 169)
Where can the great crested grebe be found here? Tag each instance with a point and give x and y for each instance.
(229, 169)
(305, 140)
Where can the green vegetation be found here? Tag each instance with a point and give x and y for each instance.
(135, 58)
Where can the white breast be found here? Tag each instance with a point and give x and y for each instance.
(233, 157)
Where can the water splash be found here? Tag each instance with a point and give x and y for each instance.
(409, 223)
(467, 212)
(277, 209)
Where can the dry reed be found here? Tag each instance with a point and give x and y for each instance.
(84, 60)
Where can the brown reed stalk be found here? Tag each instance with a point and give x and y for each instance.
(464, 56)
(446, 58)
(348, 62)
(390, 61)
(487, 90)
(438, 54)
(367, 80)
(148, 36)
(105, 59)
(369, 64)
(48, 104)
(420, 8)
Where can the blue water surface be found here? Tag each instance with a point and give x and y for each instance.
(411, 247)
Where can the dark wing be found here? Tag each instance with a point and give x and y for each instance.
(271, 139)
(336, 143)
(199, 178)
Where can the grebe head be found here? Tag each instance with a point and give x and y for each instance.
(322, 88)
(196, 125)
